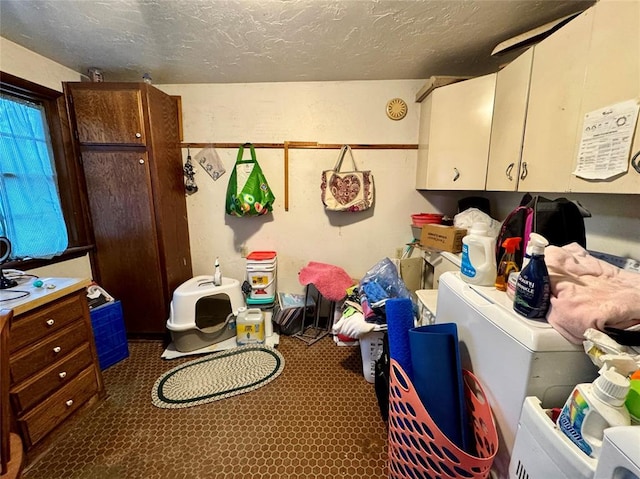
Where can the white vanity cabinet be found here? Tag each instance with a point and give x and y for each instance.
(507, 130)
(455, 128)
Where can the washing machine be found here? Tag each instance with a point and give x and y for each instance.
(513, 357)
(543, 451)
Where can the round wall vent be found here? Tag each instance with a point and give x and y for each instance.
(396, 109)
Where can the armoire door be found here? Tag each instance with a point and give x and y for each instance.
(121, 205)
(108, 113)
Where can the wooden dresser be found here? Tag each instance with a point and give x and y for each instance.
(54, 367)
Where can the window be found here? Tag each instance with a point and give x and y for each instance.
(40, 200)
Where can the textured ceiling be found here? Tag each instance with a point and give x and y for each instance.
(243, 41)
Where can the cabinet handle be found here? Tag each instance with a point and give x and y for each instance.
(634, 162)
(138, 135)
(508, 171)
(141, 161)
(523, 175)
(62, 375)
(50, 322)
(456, 175)
(69, 403)
(57, 349)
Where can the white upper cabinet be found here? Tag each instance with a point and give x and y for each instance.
(507, 130)
(612, 76)
(555, 96)
(591, 63)
(455, 128)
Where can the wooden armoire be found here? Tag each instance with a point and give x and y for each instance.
(127, 140)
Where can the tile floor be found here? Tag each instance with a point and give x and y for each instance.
(318, 420)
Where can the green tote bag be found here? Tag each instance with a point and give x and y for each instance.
(248, 193)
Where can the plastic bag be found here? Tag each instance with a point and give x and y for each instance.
(386, 281)
(466, 218)
(248, 193)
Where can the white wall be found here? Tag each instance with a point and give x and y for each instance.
(325, 112)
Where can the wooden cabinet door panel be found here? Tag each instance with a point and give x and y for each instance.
(127, 258)
(108, 116)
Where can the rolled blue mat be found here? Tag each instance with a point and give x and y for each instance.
(399, 313)
(437, 378)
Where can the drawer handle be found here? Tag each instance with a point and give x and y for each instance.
(57, 349)
(62, 375)
(69, 403)
(138, 135)
(50, 322)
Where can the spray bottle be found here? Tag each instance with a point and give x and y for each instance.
(532, 289)
(533, 238)
(507, 263)
(217, 275)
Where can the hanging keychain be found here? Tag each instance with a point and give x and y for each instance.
(189, 173)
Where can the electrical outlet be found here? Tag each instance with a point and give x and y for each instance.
(244, 251)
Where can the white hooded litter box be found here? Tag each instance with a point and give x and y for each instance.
(202, 314)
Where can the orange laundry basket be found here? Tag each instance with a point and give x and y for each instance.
(418, 449)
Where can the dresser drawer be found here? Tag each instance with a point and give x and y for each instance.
(41, 355)
(28, 393)
(45, 321)
(52, 411)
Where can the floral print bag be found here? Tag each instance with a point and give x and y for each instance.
(347, 190)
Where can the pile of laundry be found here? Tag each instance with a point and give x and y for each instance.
(363, 310)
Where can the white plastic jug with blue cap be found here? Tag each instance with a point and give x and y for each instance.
(478, 256)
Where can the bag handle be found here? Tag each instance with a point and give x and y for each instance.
(341, 155)
(241, 154)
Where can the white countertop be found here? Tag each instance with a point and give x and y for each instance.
(29, 297)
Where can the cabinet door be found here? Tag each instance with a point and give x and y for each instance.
(507, 130)
(106, 114)
(613, 76)
(555, 95)
(126, 258)
(455, 144)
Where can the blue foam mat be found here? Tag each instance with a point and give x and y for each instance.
(437, 378)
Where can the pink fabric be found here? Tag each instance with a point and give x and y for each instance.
(589, 293)
(331, 281)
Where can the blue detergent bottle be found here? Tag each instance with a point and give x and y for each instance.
(532, 296)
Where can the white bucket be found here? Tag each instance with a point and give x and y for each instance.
(261, 275)
(371, 345)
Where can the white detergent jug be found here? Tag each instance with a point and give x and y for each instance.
(478, 256)
(249, 326)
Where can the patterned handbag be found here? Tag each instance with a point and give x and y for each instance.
(347, 190)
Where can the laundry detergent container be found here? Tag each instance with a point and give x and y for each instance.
(202, 313)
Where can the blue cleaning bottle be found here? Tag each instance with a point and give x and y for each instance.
(532, 296)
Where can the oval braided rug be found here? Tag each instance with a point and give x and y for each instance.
(217, 376)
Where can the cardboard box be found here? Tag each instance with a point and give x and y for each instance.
(442, 238)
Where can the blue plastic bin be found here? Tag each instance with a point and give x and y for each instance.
(109, 334)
